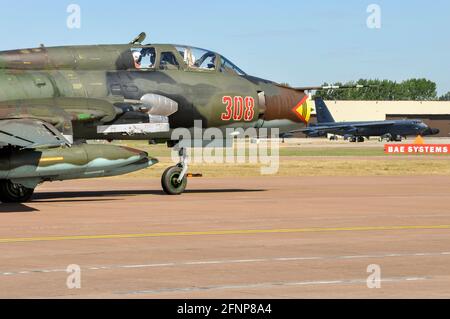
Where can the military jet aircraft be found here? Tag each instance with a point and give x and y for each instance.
(52, 100)
(357, 131)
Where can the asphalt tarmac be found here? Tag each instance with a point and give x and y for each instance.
(273, 237)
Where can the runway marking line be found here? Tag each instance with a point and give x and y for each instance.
(226, 262)
(272, 285)
(222, 232)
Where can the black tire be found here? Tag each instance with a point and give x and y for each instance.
(169, 181)
(14, 193)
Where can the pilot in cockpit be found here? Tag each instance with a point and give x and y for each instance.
(212, 64)
(152, 55)
(137, 58)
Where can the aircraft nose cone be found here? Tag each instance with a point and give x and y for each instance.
(288, 104)
(431, 131)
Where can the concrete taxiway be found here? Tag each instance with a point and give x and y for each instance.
(274, 237)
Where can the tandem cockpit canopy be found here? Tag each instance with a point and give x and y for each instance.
(172, 57)
(202, 59)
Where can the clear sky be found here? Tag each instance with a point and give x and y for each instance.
(296, 41)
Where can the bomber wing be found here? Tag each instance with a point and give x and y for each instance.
(332, 87)
(29, 134)
(343, 127)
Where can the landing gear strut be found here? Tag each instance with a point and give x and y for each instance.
(174, 179)
(14, 193)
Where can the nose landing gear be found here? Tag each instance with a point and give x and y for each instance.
(174, 179)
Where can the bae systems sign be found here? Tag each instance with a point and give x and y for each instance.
(417, 149)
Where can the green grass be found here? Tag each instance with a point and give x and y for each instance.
(310, 167)
(343, 161)
(159, 151)
(332, 151)
(162, 151)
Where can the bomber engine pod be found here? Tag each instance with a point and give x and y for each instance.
(31, 167)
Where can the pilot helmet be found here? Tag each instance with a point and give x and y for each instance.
(137, 56)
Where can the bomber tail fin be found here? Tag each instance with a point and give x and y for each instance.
(323, 113)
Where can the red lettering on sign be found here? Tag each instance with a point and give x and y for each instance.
(417, 149)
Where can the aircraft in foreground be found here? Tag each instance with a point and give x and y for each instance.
(357, 131)
(52, 100)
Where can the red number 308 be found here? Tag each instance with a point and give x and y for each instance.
(238, 108)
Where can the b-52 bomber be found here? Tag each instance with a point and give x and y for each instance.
(52, 100)
(356, 132)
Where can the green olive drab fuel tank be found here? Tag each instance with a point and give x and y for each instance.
(31, 167)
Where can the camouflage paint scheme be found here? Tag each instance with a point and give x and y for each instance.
(76, 89)
(31, 167)
(84, 82)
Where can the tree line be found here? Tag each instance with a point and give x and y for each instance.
(385, 90)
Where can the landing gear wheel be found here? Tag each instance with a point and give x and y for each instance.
(170, 183)
(14, 193)
(333, 138)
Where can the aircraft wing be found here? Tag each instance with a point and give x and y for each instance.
(324, 128)
(29, 134)
(374, 124)
(331, 87)
(347, 128)
(316, 131)
(355, 126)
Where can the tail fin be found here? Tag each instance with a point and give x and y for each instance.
(323, 113)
